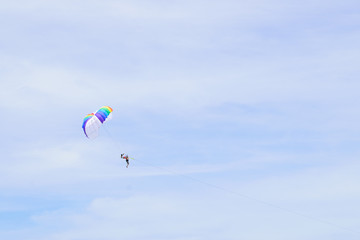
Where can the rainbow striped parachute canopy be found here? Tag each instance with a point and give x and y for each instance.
(93, 121)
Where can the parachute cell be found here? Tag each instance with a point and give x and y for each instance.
(93, 121)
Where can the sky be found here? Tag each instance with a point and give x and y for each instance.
(241, 117)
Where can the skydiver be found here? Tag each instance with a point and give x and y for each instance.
(126, 157)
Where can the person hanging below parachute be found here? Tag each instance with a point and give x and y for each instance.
(126, 157)
(93, 121)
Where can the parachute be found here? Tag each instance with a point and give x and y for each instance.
(93, 121)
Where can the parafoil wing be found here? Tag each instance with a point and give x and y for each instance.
(93, 121)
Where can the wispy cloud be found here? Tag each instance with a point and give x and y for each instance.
(257, 97)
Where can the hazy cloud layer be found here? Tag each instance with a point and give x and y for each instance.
(242, 118)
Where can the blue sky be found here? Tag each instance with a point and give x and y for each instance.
(242, 117)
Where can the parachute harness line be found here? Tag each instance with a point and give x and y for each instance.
(272, 205)
(275, 206)
(92, 123)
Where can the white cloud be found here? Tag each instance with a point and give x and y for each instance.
(31, 86)
(84, 163)
(202, 216)
(284, 68)
(278, 70)
(321, 184)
